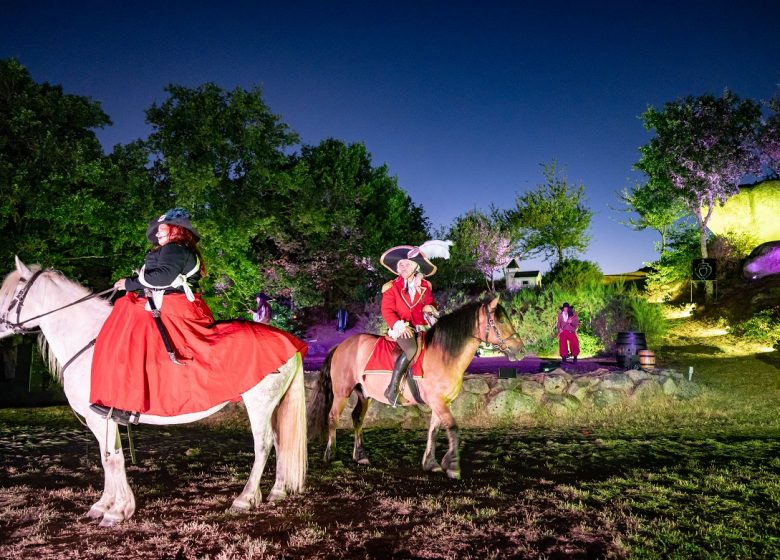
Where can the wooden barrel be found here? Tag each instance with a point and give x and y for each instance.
(627, 346)
(646, 359)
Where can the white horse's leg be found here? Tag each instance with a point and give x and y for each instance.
(429, 462)
(261, 401)
(117, 502)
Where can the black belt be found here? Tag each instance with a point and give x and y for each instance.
(161, 328)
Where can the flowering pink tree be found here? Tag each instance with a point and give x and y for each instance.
(493, 251)
(702, 149)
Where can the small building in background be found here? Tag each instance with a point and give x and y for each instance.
(517, 279)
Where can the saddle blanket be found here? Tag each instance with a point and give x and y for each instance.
(384, 355)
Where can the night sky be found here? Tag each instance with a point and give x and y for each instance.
(463, 100)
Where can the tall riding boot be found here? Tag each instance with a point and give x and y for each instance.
(391, 393)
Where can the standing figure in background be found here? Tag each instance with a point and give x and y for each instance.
(406, 301)
(568, 343)
(262, 313)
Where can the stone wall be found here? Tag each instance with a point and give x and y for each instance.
(486, 400)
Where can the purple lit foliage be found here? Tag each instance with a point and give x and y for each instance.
(703, 148)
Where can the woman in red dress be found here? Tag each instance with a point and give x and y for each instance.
(406, 301)
(161, 353)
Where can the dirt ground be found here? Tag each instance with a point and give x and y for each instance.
(508, 504)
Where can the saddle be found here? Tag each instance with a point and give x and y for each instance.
(385, 353)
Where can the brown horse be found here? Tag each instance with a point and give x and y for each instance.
(450, 347)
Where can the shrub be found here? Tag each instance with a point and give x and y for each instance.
(572, 273)
(763, 327)
(604, 310)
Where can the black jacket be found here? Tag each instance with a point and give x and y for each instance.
(164, 265)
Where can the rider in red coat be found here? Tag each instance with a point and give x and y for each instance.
(405, 303)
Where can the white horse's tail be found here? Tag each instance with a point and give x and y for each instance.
(290, 428)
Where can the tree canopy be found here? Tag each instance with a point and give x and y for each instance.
(702, 148)
(552, 219)
(307, 223)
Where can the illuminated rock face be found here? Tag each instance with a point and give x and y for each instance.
(755, 211)
(764, 260)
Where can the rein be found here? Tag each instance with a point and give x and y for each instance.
(18, 302)
(19, 328)
(490, 323)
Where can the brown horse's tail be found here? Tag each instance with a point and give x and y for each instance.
(320, 402)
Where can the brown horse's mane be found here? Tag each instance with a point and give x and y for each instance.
(454, 330)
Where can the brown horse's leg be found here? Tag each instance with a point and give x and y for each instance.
(358, 415)
(451, 460)
(336, 409)
(429, 459)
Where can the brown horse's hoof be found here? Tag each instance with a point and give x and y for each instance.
(455, 475)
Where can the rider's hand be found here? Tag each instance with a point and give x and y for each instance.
(120, 284)
(408, 333)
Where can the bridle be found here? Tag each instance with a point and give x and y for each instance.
(490, 323)
(17, 327)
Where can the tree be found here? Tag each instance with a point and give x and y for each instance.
(56, 206)
(769, 137)
(657, 209)
(703, 147)
(342, 214)
(222, 155)
(552, 219)
(493, 251)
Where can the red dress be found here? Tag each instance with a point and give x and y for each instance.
(132, 371)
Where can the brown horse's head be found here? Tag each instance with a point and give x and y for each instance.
(496, 328)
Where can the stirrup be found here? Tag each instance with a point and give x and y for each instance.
(121, 417)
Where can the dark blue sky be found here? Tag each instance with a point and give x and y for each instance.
(462, 100)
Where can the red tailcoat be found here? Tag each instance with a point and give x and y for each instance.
(397, 305)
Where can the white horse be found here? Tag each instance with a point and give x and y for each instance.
(34, 298)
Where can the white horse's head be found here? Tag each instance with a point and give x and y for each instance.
(12, 290)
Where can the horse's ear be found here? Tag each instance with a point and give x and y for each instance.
(20, 266)
(494, 303)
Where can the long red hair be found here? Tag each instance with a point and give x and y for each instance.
(183, 236)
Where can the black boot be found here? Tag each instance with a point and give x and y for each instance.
(121, 417)
(391, 393)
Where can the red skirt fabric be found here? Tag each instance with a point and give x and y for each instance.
(384, 355)
(131, 369)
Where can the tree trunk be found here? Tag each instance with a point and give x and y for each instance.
(708, 286)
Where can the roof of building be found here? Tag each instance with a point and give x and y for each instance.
(526, 274)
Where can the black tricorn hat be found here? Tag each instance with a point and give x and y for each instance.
(174, 217)
(390, 258)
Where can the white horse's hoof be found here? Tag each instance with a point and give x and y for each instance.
(277, 495)
(111, 518)
(96, 512)
(241, 505)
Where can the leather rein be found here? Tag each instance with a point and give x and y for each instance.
(17, 302)
(491, 324)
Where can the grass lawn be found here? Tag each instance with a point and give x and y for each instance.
(685, 479)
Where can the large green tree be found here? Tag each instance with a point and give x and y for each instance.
(55, 206)
(221, 155)
(342, 213)
(703, 147)
(552, 219)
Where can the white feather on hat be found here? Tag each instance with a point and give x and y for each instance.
(436, 249)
